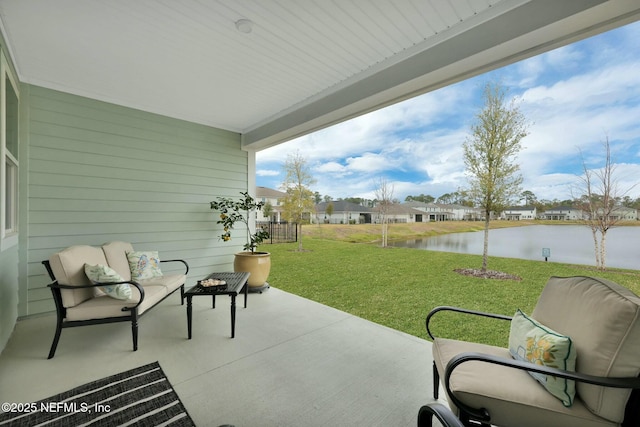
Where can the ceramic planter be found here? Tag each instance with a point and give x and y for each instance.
(256, 263)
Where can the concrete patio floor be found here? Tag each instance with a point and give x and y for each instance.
(293, 362)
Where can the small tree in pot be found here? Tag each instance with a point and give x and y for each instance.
(234, 211)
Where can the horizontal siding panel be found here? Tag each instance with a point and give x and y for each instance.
(99, 172)
(116, 217)
(118, 195)
(79, 229)
(52, 205)
(148, 124)
(40, 306)
(119, 185)
(130, 158)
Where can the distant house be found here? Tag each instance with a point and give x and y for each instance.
(401, 213)
(563, 213)
(517, 213)
(275, 199)
(445, 212)
(624, 213)
(344, 213)
(620, 213)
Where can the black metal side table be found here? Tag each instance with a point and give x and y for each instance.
(236, 283)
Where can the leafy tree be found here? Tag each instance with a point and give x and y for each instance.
(327, 198)
(446, 199)
(329, 210)
(267, 210)
(421, 198)
(529, 198)
(490, 156)
(299, 199)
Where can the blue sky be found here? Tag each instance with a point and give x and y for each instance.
(574, 97)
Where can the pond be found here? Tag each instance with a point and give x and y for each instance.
(571, 244)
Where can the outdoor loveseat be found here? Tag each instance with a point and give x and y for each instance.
(124, 285)
(582, 342)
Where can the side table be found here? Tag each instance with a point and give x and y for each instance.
(236, 283)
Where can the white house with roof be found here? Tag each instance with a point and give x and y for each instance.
(344, 212)
(275, 199)
(445, 212)
(517, 213)
(624, 213)
(401, 213)
(562, 213)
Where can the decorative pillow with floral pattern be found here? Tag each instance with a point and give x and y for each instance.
(530, 341)
(104, 274)
(144, 265)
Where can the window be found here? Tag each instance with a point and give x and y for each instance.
(9, 102)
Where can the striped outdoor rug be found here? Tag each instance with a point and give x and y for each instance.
(140, 397)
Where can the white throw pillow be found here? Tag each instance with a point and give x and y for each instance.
(144, 264)
(104, 274)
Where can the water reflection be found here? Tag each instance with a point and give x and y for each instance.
(567, 243)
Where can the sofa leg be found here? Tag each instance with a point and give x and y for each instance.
(56, 338)
(134, 331)
(436, 381)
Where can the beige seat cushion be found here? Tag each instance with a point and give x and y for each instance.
(169, 282)
(104, 306)
(68, 268)
(512, 397)
(603, 320)
(116, 255)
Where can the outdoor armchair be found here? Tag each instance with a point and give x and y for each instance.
(442, 414)
(582, 341)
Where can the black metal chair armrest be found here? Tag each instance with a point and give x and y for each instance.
(482, 414)
(56, 285)
(442, 413)
(178, 260)
(464, 311)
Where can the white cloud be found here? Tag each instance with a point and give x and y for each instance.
(267, 172)
(574, 96)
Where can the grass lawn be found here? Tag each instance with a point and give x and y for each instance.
(397, 287)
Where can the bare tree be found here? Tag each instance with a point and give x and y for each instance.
(384, 194)
(600, 192)
(490, 154)
(299, 199)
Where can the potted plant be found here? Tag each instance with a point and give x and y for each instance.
(234, 211)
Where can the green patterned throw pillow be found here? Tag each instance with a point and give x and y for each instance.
(144, 264)
(104, 274)
(533, 342)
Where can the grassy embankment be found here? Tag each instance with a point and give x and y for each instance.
(397, 287)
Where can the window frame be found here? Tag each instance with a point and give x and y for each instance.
(9, 164)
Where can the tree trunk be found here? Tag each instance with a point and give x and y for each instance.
(485, 251)
(603, 251)
(299, 236)
(596, 247)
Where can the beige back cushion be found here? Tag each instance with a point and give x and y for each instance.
(603, 319)
(68, 268)
(116, 254)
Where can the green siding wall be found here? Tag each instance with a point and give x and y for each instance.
(100, 172)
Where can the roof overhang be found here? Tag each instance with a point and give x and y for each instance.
(305, 65)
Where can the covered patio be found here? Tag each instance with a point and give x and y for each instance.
(122, 121)
(293, 362)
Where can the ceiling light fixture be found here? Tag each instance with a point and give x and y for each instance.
(244, 25)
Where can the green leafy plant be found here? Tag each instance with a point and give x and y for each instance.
(233, 211)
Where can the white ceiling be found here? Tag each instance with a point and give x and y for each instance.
(305, 65)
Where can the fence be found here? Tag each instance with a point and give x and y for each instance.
(280, 232)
